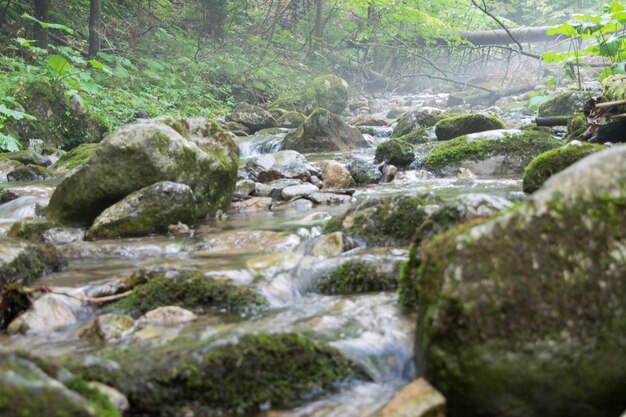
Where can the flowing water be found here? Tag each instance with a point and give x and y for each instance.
(268, 250)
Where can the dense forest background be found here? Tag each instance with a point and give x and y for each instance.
(200, 57)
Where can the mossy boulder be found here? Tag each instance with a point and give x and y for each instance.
(614, 88)
(533, 296)
(453, 127)
(354, 277)
(291, 119)
(553, 161)
(31, 229)
(496, 152)
(576, 126)
(149, 210)
(62, 122)
(383, 222)
(143, 153)
(364, 172)
(421, 118)
(461, 209)
(74, 159)
(26, 173)
(26, 390)
(26, 157)
(395, 152)
(327, 92)
(269, 371)
(253, 117)
(22, 263)
(564, 103)
(324, 131)
(7, 166)
(417, 137)
(186, 289)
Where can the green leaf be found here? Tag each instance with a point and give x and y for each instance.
(59, 65)
(46, 25)
(564, 29)
(537, 101)
(26, 43)
(8, 143)
(97, 64)
(14, 114)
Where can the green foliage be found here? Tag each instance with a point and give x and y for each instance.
(101, 403)
(354, 277)
(606, 32)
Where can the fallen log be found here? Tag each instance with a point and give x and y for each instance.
(491, 97)
(501, 37)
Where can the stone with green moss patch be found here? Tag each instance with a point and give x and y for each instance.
(417, 137)
(553, 161)
(75, 158)
(563, 104)
(383, 222)
(291, 119)
(534, 296)
(328, 92)
(354, 277)
(100, 403)
(576, 126)
(191, 290)
(61, 122)
(614, 88)
(395, 152)
(422, 118)
(269, 371)
(453, 127)
(26, 173)
(144, 153)
(31, 229)
(497, 152)
(22, 263)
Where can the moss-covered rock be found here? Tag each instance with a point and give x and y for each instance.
(191, 290)
(99, 402)
(534, 296)
(455, 126)
(417, 137)
(31, 229)
(28, 173)
(461, 209)
(277, 112)
(563, 104)
(75, 158)
(324, 131)
(253, 117)
(576, 126)
(556, 160)
(146, 152)
(149, 210)
(422, 118)
(25, 390)
(497, 152)
(327, 92)
(7, 166)
(26, 157)
(395, 152)
(364, 172)
(61, 122)
(383, 222)
(272, 371)
(237, 127)
(22, 263)
(291, 119)
(354, 277)
(614, 88)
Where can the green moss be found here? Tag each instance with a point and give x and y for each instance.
(31, 229)
(29, 173)
(453, 127)
(614, 88)
(276, 371)
(32, 262)
(354, 277)
(576, 126)
(563, 104)
(389, 222)
(269, 131)
(553, 161)
(75, 158)
(416, 137)
(291, 119)
(416, 120)
(100, 403)
(395, 152)
(333, 225)
(189, 290)
(58, 122)
(526, 146)
(13, 302)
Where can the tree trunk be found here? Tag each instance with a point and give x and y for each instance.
(317, 34)
(94, 27)
(41, 13)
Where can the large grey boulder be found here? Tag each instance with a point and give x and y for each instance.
(535, 295)
(280, 165)
(149, 210)
(195, 152)
(253, 117)
(324, 131)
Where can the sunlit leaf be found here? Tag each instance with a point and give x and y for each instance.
(47, 25)
(58, 64)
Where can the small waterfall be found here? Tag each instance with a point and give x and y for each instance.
(259, 144)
